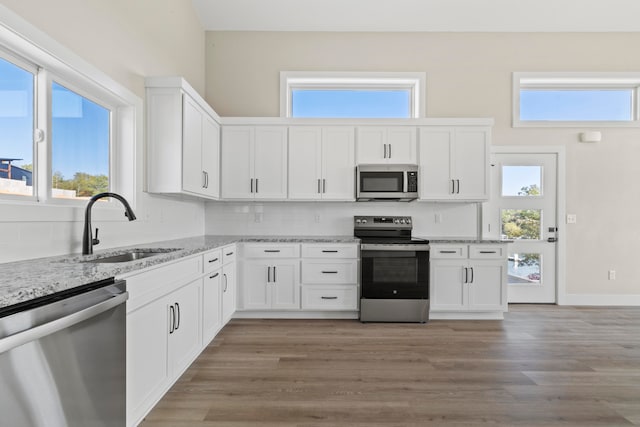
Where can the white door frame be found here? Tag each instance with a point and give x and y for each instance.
(561, 245)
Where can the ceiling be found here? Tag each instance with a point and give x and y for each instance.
(420, 15)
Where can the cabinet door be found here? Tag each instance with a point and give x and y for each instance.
(447, 287)
(486, 286)
(147, 371)
(305, 151)
(229, 292)
(193, 179)
(256, 278)
(338, 164)
(211, 305)
(435, 181)
(270, 154)
(285, 286)
(183, 312)
(401, 145)
(471, 163)
(211, 157)
(237, 162)
(371, 146)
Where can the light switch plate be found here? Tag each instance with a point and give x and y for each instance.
(572, 218)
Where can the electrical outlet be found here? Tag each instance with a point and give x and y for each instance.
(612, 275)
(572, 218)
(317, 218)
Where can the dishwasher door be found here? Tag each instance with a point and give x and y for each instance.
(63, 359)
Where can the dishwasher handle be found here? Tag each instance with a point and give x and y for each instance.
(16, 340)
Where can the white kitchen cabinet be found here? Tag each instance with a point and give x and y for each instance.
(183, 140)
(386, 144)
(254, 162)
(163, 331)
(329, 276)
(468, 278)
(229, 283)
(270, 276)
(211, 296)
(454, 163)
(321, 163)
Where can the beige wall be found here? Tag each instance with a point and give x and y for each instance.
(469, 75)
(128, 40)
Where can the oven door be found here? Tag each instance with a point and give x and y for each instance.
(395, 271)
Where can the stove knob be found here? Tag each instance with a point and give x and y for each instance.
(408, 220)
(358, 221)
(364, 221)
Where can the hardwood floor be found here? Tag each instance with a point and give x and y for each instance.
(541, 366)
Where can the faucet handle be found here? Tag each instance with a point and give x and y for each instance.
(95, 240)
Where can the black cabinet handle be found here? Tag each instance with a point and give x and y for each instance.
(256, 185)
(453, 186)
(213, 260)
(487, 252)
(448, 252)
(389, 150)
(251, 185)
(329, 297)
(172, 322)
(268, 274)
(329, 272)
(326, 251)
(230, 253)
(471, 275)
(178, 316)
(272, 250)
(214, 276)
(466, 275)
(225, 283)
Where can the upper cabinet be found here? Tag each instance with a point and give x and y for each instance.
(454, 163)
(321, 163)
(254, 162)
(183, 140)
(386, 144)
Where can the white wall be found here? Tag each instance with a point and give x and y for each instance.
(127, 41)
(469, 75)
(336, 218)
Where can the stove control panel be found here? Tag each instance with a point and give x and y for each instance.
(382, 222)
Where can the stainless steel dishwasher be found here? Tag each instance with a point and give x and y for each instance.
(63, 359)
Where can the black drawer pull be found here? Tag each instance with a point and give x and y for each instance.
(329, 297)
(230, 253)
(213, 260)
(329, 272)
(325, 251)
(272, 250)
(448, 252)
(487, 252)
(214, 276)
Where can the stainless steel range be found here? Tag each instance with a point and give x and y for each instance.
(394, 270)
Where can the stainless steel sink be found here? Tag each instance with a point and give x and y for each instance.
(132, 255)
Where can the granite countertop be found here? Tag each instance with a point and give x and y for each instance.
(25, 280)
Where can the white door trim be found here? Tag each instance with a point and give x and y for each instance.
(561, 259)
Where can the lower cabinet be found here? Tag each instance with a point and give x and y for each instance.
(468, 278)
(229, 291)
(271, 284)
(211, 305)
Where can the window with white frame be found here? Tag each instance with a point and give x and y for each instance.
(352, 94)
(61, 131)
(576, 99)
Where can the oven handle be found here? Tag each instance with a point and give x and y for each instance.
(394, 248)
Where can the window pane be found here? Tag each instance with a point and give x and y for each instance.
(16, 129)
(80, 145)
(521, 224)
(576, 105)
(351, 103)
(524, 268)
(522, 181)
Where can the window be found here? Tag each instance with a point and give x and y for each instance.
(576, 99)
(352, 95)
(67, 131)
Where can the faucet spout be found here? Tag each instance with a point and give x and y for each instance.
(87, 235)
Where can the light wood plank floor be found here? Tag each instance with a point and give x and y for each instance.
(541, 366)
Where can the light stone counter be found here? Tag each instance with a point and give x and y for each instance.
(26, 280)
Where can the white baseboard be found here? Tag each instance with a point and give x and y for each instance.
(296, 315)
(468, 315)
(601, 299)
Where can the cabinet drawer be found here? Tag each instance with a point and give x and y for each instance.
(271, 250)
(448, 252)
(329, 272)
(212, 260)
(322, 297)
(323, 250)
(229, 254)
(487, 251)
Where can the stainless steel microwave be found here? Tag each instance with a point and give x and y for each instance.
(386, 183)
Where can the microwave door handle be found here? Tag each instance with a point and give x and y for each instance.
(405, 184)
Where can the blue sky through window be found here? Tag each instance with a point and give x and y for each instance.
(338, 103)
(576, 105)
